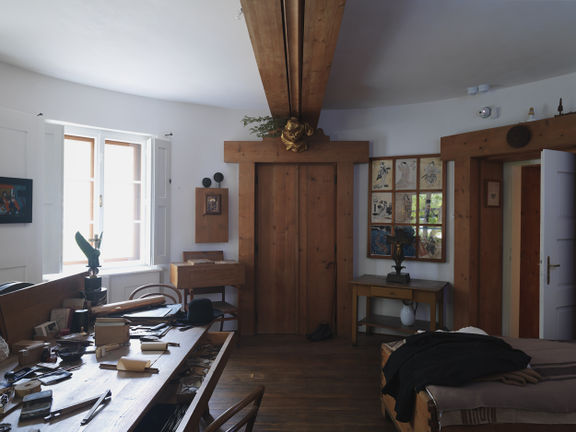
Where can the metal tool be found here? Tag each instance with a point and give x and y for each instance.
(99, 402)
(54, 415)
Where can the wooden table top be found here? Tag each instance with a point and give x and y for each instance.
(414, 284)
(132, 392)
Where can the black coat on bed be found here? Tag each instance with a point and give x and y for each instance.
(448, 359)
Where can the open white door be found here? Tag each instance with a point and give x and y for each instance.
(557, 246)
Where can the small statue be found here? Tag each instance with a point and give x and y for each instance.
(293, 134)
(560, 107)
(399, 240)
(92, 282)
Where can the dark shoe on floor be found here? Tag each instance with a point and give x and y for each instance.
(322, 332)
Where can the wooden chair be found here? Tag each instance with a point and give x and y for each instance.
(230, 311)
(173, 293)
(248, 417)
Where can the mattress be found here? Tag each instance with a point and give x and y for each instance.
(550, 401)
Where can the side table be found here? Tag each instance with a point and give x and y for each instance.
(417, 290)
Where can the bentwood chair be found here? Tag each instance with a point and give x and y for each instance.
(242, 414)
(167, 290)
(230, 311)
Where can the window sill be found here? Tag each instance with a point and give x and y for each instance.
(105, 272)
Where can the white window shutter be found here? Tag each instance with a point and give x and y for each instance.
(160, 201)
(53, 160)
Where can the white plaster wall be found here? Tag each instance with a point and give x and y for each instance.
(417, 129)
(199, 132)
(197, 141)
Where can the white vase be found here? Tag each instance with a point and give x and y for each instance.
(407, 314)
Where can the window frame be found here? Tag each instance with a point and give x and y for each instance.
(101, 136)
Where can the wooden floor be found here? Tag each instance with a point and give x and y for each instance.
(310, 386)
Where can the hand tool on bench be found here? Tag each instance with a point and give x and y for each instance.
(54, 415)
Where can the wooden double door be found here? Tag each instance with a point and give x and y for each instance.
(295, 270)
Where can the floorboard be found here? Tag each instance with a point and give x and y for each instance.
(310, 386)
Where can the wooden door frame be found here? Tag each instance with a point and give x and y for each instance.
(478, 156)
(343, 154)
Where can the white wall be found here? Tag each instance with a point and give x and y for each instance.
(417, 129)
(199, 132)
(197, 141)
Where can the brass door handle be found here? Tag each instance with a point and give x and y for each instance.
(548, 267)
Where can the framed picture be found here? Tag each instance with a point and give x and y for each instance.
(382, 174)
(492, 193)
(407, 200)
(15, 200)
(381, 207)
(213, 204)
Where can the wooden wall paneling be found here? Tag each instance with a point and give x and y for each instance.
(271, 150)
(345, 155)
(466, 198)
(246, 244)
(552, 133)
(264, 20)
(515, 245)
(345, 245)
(529, 319)
(211, 228)
(317, 245)
(277, 260)
(489, 296)
(322, 20)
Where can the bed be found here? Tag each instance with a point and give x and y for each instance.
(549, 405)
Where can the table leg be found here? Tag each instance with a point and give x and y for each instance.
(433, 314)
(368, 313)
(354, 315)
(441, 310)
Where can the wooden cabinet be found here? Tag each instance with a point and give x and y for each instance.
(418, 290)
(211, 215)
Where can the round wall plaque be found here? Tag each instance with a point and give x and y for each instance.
(518, 136)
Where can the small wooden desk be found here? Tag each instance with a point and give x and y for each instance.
(418, 290)
(187, 276)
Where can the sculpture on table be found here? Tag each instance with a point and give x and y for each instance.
(294, 133)
(399, 240)
(92, 282)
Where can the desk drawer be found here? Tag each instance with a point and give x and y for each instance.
(395, 293)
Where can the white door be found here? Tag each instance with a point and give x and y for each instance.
(557, 246)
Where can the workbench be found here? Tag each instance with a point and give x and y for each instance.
(133, 393)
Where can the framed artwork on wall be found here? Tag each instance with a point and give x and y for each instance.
(407, 197)
(213, 204)
(15, 200)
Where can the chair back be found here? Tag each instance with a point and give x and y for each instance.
(168, 290)
(248, 410)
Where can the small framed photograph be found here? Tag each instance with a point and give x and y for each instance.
(493, 192)
(15, 200)
(213, 204)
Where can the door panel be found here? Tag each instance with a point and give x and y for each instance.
(529, 319)
(277, 255)
(557, 240)
(295, 264)
(317, 245)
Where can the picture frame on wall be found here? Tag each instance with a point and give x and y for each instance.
(493, 191)
(407, 198)
(213, 204)
(15, 200)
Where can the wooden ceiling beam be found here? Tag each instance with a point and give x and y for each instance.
(264, 19)
(322, 19)
(294, 43)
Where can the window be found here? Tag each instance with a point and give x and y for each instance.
(105, 191)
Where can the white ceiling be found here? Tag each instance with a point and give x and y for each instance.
(389, 51)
